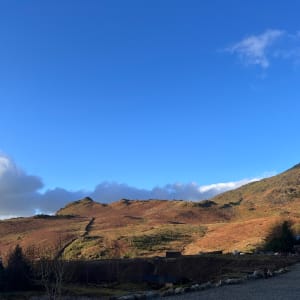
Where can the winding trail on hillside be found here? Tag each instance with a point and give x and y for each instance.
(87, 229)
(283, 287)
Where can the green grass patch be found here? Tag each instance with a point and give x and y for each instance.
(156, 241)
(80, 248)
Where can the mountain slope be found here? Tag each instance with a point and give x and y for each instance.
(40, 231)
(238, 219)
(140, 228)
(277, 195)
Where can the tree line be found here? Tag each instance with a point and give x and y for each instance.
(33, 270)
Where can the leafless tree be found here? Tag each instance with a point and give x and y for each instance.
(51, 270)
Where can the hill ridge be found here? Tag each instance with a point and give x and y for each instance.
(237, 219)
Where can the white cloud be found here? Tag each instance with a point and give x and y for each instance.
(7, 217)
(18, 190)
(20, 195)
(253, 50)
(225, 186)
(264, 49)
(14, 180)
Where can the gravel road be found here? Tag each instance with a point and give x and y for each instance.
(282, 287)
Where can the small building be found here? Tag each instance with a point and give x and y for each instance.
(173, 254)
(217, 252)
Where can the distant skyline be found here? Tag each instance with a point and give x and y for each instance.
(144, 98)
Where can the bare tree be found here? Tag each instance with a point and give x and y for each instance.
(51, 269)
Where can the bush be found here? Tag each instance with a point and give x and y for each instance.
(281, 238)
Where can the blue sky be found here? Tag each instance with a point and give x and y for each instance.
(149, 93)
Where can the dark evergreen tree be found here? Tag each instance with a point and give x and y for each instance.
(281, 238)
(18, 271)
(1, 276)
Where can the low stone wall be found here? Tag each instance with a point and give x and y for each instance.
(179, 290)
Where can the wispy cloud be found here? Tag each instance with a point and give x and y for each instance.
(20, 192)
(262, 49)
(225, 186)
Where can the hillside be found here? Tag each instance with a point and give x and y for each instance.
(275, 196)
(40, 231)
(238, 219)
(134, 227)
(255, 208)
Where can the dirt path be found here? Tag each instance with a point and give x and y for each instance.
(282, 287)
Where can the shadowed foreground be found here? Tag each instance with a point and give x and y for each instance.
(286, 286)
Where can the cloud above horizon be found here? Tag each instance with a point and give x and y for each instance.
(20, 193)
(264, 48)
(18, 190)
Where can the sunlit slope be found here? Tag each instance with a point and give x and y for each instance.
(41, 232)
(277, 195)
(129, 228)
(151, 212)
(239, 219)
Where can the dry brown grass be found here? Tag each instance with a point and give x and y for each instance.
(38, 232)
(238, 219)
